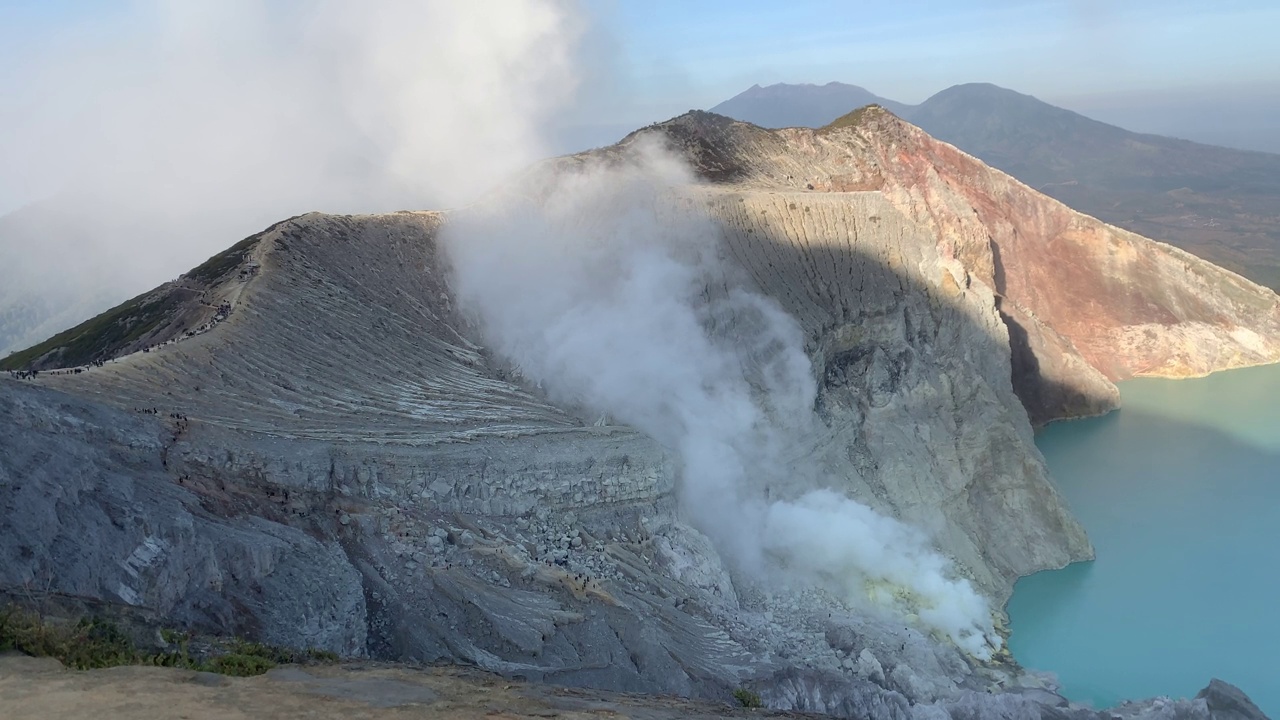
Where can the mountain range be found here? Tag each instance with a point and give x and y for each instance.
(1218, 203)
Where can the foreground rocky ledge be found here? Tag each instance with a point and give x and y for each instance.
(42, 688)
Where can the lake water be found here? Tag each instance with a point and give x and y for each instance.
(1180, 493)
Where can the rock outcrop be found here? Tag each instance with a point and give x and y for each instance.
(304, 441)
(1085, 303)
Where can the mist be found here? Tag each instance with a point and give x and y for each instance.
(1240, 116)
(609, 289)
(138, 141)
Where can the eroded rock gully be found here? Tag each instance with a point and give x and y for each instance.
(337, 462)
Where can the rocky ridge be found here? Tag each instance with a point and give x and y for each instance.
(1085, 303)
(1216, 202)
(337, 462)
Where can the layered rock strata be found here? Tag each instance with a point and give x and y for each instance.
(1085, 303)
(304, 441)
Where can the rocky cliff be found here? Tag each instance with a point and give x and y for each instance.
(1085, 303)
(303, 440)
(1216, 202)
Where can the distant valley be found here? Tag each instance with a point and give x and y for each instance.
(1218, 203)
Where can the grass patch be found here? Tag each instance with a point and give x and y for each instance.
(217, 267)
(747, 699)
(98, 338)
(97, 643)
(852, 119)
(87, 644)
(239, 665)
(102, 337)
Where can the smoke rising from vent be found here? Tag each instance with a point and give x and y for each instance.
(140, 139)
(610, 291)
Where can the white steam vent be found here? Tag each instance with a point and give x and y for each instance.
(611, 292)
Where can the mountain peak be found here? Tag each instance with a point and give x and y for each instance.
(982, 92)
(859, 117)
(801, 105)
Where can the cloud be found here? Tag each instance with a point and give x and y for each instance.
(171, 129)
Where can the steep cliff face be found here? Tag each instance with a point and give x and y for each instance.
(1131, 306)
(919, 414)
(1086, 303)
(345, 333)
(336, 405)
(312, 410)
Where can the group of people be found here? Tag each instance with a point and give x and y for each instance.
(222, 312)
(153, 411)
(64, 371)
(30, 374)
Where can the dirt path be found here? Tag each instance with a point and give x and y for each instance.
(32, 689)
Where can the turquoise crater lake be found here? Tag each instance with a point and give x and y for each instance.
(1180, 493)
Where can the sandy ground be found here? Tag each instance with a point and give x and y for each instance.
(40, 688)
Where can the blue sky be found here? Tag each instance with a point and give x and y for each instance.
(698, 52)
(701, 52)
(1148, 65)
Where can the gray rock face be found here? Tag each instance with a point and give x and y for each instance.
(1085, 303)
(1227, 702)
(915, 391)
(337, 463)
(90, 511)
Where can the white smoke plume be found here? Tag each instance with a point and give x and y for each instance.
(611, 292)
(139, 138)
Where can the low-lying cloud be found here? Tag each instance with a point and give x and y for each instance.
(137, 141)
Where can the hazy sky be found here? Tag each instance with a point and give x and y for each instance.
(1149, 65)
(676, 54)
(684, 52)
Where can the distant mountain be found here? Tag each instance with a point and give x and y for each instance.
(783, 105)
(1219, 203)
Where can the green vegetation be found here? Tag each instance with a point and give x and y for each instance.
(87, 644)
(747, 699)
(96, 643)
(103, 336)
(851, 119)
(216, 267)
(98, 338)
(239, 665)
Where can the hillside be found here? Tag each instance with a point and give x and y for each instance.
(1215, 202)
(1084, 302)
(783, 105)
(308, 440)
